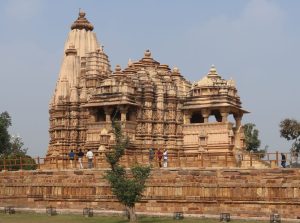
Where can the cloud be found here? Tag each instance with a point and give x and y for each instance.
(21, 10)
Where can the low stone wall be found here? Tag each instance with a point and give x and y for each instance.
(241, 192)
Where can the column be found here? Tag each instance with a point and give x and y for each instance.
(205, 114)
(238, 119)
(108, 111)
(224, 114)
(123, 111)
(187, 117)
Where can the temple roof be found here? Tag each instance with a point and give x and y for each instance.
(82, 23)
(213, 79)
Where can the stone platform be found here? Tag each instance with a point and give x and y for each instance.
(207, 191)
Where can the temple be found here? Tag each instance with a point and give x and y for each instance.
(156, 106)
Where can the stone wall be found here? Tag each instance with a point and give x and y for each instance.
(241, 192)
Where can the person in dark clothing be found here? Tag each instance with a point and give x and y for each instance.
(80, 155)
(283, 160)
(151, 155)
(159, 157)
(71, 157)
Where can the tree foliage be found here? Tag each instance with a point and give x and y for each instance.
(17, 146)
(5, 122)
(128, 187)
(252, 140)
(290, 130)
(251, 137)
(12, 151)
(16, 161)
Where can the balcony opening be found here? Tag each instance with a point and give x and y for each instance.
(116, 115)
(197, 118)
(217, 115)
(100, 115)
(231, 118)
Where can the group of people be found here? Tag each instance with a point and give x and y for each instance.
(161, 156)
(80, 155)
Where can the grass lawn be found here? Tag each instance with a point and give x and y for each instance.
(43, 218)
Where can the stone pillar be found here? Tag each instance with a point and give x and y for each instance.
(238, 120)
(224, 115)
(108, 112)
(205, 113)
(123, 110)
(187, 117)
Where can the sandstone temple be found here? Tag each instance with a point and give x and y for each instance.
(199, 124)
(155, 104)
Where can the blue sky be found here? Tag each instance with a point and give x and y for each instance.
(256, 42)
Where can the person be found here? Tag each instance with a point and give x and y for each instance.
(159, 157)
(80, 155)
(71, 157)
(283, 160)
(90, 157)
(165, 155)
(151, 155)
(239, 158)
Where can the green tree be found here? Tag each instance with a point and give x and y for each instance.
(5, 122)
(12, 151)
(290, 130)
(251, 139)
(126, 186)
(17, 145)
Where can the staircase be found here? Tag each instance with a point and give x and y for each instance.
(252, 160)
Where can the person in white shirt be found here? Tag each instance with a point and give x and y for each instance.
(165, 157)
(90, 157)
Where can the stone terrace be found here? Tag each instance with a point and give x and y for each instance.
(241, 192)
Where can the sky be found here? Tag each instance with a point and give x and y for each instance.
(255, 42)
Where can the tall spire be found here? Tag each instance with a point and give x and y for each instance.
(82, 22)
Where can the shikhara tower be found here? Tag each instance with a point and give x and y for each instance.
(156, 105)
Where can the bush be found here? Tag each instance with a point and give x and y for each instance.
(13, 162)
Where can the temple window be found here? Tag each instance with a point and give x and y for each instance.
(197, 118)
(217, 115)
(130, 116)
(100, 115)
(116, 115)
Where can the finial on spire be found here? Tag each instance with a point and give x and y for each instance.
(175, 70)
(129, 62)
(212, 71)
(147, 53)
(118, 68)
(82, 22)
